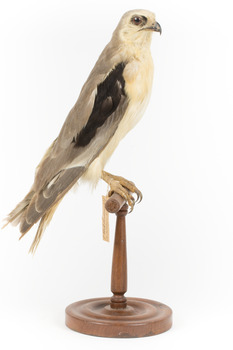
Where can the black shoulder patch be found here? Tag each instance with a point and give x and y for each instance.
(107, 99)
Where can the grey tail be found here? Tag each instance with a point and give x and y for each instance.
(16, 215)
(41, 205)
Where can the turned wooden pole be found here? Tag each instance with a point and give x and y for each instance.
(119, 261)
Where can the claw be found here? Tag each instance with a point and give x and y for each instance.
(139, 196)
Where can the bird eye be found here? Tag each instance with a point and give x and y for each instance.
(136, 20)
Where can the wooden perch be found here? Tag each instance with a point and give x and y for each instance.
(114, 203)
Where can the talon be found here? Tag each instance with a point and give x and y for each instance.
(137, 199)
(139, 196)
(131, 205)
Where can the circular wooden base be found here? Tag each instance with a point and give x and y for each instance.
(141, 318)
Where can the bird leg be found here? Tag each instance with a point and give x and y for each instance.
(123, 187)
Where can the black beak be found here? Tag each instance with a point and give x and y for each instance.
(156, 28)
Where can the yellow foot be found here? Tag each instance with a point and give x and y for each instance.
(123, 187)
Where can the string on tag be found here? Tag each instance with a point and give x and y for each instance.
(105, 220)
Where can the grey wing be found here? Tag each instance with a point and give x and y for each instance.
(80, 113)
(62, 167)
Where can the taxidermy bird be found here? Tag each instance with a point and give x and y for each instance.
(111, 102)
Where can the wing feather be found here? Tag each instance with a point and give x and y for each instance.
(65, 162)
(82, 148)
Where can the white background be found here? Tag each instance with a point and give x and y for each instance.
(180, 238)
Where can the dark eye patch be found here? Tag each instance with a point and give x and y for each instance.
(138, 20)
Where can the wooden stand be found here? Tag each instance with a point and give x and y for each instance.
(118, 316)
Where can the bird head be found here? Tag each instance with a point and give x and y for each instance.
(136, 27)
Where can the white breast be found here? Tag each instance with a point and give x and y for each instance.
(138, 77)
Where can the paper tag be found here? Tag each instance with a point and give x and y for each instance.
(105, 220)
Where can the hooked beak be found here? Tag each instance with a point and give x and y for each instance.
(156, 28)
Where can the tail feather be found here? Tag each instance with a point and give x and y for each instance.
(41, 205)
(44, 222)
(16, 215)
